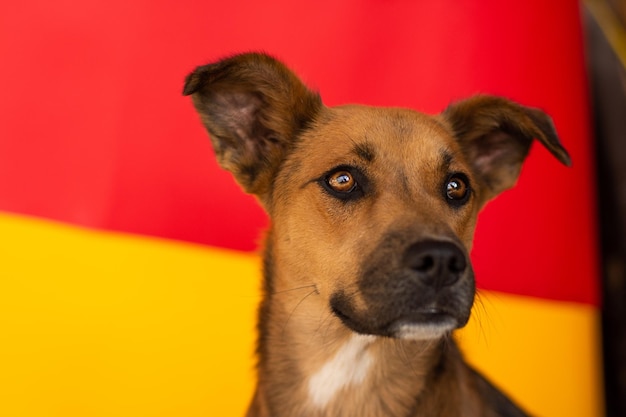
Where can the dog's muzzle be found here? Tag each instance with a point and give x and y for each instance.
(421, 292)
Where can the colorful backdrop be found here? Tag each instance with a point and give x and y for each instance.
(128, 273)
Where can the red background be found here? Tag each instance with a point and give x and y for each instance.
(94, 130)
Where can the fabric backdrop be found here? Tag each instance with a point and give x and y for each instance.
(128, 273)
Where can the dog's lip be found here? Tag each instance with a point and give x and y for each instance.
(432, 310)
(430, 315)
(423, 322)
(433, 326)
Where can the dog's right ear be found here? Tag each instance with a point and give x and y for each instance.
(495, 135)
(252, 106)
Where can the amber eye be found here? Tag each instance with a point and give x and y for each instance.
(457, 189)
(341, 181)
(345, 182)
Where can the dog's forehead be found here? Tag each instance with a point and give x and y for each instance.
(386, 135)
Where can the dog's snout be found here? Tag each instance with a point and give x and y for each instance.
(436, 263)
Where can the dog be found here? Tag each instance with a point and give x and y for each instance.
(366, 265)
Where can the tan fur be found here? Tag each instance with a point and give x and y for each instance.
(325, 256)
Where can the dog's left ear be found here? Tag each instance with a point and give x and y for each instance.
(495, 135)
(253, 107)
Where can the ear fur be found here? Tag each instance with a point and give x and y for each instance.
(495, 135)
(253, 107)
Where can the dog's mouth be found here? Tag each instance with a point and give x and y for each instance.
(420, 324)
(428, 323)
(420, 290)
(431, 315)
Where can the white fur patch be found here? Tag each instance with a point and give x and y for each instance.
(423, 331)
(349, 366)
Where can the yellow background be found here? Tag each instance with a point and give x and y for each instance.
(107, 324)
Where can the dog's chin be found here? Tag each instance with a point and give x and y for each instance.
(408, 330)
(426, 324)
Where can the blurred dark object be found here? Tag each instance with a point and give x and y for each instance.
(606, 52)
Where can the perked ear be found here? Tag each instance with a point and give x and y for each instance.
(253, 107)
(495, 135)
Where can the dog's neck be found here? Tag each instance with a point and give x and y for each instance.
(312, 365)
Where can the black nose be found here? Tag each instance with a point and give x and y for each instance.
(437, 263)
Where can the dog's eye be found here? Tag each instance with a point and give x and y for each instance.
(341, 181)
(457, 189)
(344, 182)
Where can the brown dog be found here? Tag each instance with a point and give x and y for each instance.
(366, 264)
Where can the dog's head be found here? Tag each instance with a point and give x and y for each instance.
(374, 207)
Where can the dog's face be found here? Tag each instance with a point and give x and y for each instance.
(374, 208)
(377, 208)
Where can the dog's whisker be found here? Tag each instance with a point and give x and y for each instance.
(481, 314)
(294, 289)
(406, 359)
(322, 324)
(352, 294)
(322, 330)
(447, 341)
(296, 307)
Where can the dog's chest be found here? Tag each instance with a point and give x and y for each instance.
(349, 367)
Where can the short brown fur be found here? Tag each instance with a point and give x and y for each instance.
(387, 260)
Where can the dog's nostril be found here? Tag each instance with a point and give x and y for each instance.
(436, 263)
(457, 263)
(424, 263)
